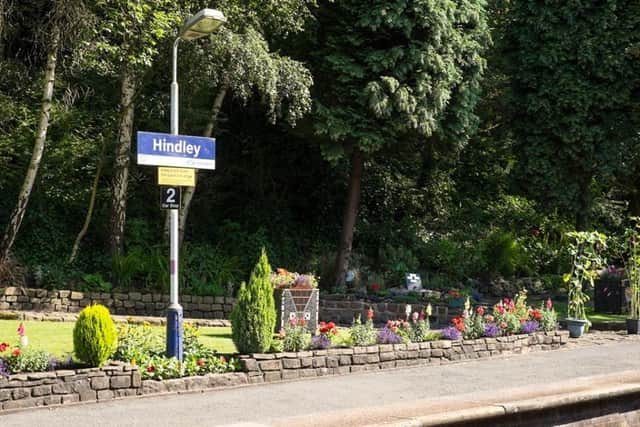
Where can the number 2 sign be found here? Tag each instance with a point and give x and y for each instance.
(170, 197)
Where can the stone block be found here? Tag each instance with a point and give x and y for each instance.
(322, 372)
(319, 362)
(305, 373)
(373, 358)
(99, 383)
(291, 363)
(5, 395)
(105, 395)
(61, 388)
(270, 365)
(387, 356)
(136, 379)
(248, 365)
(135, 296)
(43, 390)
(345, 360)
(272, 376)
(176, 384)
(120, 382)
(306, 362)
(19, 404)
(332, 362)
(21, 393)
(359, 359)
(290, 375)
(69, 398)
(153, 387)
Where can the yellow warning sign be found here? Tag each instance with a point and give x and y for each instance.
(177, 176)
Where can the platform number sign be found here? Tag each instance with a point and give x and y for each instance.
(170, 197)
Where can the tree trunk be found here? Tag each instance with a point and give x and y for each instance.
(38, 149)
(187, 193)
(350, 216)
(121, 163)
(92, 201)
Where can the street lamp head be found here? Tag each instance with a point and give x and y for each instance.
(202, 23)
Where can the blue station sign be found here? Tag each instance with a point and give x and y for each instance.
(181, 151)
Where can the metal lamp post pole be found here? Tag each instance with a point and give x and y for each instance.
(174, 312)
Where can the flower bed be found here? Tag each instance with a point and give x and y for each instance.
(118, 379)
(270, 367)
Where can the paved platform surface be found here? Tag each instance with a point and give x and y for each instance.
(599, 364)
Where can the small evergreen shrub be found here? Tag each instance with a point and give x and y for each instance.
(94, 335)
(253, 318)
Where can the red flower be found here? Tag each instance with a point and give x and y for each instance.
(370, 314)
(3, 347)
(200, 362)
(17, 352)
(326, 328)
(151, 368)
(500, 309)
(21, 329)
(535, 314)
(301, 322)
(458, 322)
(480, 311)
(375, 287)
(503, 325)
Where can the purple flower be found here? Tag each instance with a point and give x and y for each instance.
(4, 368)
(530, 326)
(491, 330)
(320, 342)
(451, 333)
(387, 336)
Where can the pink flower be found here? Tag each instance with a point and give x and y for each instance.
(489, 318)
(370, 314)
(415, 316)
(4, 346)
(480, 311)
(549, 304)
(503, 325)
(151, 368)
(21, 329)
(200, 362)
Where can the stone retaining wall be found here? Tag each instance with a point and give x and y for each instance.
(332, 307)
(344, 311)
(118, 380)
(285, 366)
(68, 386)
(132, 303)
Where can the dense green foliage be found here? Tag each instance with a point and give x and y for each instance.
(94, 335)
(489, 130)
(253, 318)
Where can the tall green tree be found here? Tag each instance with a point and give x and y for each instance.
(575, 86)
(125, 44)
(241, 65)
(63, 23)
(391, 71)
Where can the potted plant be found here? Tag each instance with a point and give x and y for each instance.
(585, 249)
(632, 266)
(297, 298)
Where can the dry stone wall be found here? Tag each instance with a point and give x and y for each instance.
(118, 380)
(334, 308)
(132, 303)
(271, 367)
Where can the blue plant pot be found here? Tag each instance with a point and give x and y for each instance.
(576, 327)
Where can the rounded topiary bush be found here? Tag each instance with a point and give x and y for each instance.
(253, 317)
(94, 335)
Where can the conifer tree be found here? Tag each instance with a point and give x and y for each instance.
(254, 316)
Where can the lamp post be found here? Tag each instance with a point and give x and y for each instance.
(199, 25)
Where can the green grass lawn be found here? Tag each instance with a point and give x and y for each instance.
(561, 309)
(57, 337)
